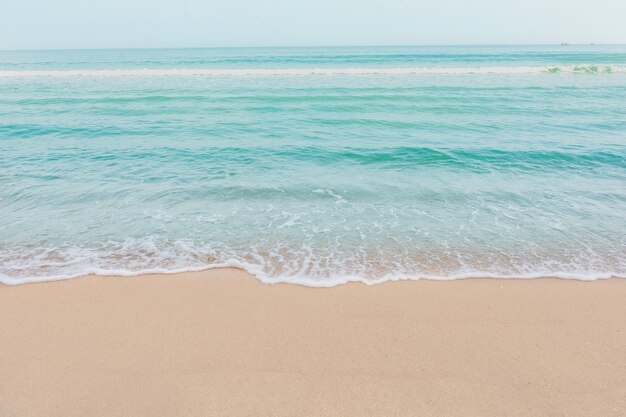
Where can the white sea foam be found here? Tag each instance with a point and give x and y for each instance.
(181, 257)
(313, 282)
(188, 72)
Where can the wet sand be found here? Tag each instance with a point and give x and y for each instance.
(220, 343)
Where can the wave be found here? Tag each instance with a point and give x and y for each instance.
(187, 72)
(407, 158)
(314, 282)
(132, 257)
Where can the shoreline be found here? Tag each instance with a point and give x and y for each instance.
(219, 342)
(310, 282)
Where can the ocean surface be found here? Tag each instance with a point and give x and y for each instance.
(314, 166)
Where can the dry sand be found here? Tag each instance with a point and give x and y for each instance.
(220, 343)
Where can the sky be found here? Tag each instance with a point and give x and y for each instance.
(61, 24)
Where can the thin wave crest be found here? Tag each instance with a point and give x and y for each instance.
(187, 72)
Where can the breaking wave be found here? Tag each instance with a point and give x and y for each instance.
(188, 72)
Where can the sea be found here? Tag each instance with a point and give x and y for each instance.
(314, 166)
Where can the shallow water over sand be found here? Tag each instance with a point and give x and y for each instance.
(315, 177)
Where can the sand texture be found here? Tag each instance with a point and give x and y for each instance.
(220, 343)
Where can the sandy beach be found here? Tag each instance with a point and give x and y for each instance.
(220, 343)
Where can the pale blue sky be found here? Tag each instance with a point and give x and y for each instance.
(35, 24)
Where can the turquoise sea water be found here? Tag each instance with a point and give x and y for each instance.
(315, 165)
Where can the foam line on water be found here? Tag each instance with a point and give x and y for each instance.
(256, 270)
(188, 72)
